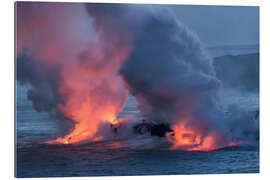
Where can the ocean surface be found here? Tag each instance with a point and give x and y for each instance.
(35, 159)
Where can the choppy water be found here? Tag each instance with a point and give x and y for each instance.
(106, 159)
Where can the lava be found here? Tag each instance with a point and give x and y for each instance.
(188, 139)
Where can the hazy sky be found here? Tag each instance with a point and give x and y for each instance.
(221, 25)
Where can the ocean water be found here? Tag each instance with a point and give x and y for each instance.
(35, 159)
(102, 159)
(217, 51)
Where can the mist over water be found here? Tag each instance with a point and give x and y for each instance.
(155, 58)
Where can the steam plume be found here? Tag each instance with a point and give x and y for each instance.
(86, 57)
(173, 80)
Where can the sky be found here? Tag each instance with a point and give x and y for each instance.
(221, 25)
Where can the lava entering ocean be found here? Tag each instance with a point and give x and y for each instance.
(81, 61)
(190, 140)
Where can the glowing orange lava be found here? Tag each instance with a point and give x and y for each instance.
(87, 124)
(187, 139)
(91, 92)
(88, 106)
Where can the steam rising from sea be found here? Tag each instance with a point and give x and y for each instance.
(84, 77)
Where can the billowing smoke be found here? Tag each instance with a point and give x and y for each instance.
(173, 80)
(167, 71)
(82, 59)
(70, 63)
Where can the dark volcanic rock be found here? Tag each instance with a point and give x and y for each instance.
(154, 129)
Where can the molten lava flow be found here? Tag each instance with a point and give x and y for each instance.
(89, 110)
(89, 102)
(191, 139)
(188, 139)
(87, 124)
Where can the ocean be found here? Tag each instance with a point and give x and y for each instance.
(35, 159)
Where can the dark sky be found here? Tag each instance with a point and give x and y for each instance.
(221, 25)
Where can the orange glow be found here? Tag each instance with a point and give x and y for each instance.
(90, 99)
(87, 122)
(115, 144)
(207, 145)
(88, 87)
(189, 139)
